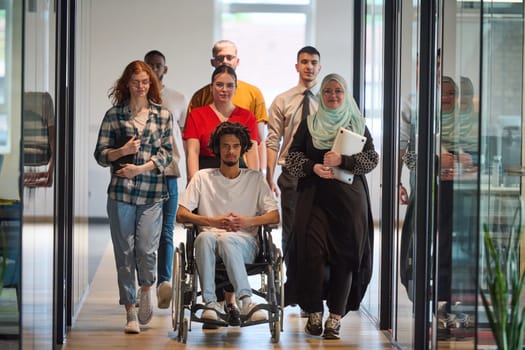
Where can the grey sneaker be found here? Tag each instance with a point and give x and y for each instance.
(332, 327)
(145, 313)
(314, 325)
(164, 293)
(132, 325)
(213, 311)
(464, 320)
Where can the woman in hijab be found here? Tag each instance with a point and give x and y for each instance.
(330, 253)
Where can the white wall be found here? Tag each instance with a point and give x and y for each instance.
(333, 37)
(114, 32)
(121, 31)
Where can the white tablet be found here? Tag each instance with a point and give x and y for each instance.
(347, 143)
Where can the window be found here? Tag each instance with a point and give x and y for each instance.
(268, 35)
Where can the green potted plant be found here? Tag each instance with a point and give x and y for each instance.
(504, 284)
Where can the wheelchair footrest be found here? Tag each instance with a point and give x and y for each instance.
(273, 311)
(221, 322)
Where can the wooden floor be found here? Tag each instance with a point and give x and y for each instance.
(101, 321)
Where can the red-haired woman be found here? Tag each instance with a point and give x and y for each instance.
(135, 140)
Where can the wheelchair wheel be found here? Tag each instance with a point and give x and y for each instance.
(275, 330)
(185, 326)
(178, 283)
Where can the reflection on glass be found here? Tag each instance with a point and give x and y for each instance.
(501, 125)
(39, 141)
(9, 269)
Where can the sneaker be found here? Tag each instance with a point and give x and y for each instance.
(213, 312)
(234, 314)
(164, 293)
(465, 320)
(206, 325)
(258, 315)
(332, 327)
(314, 326)
(132, 325)
(146, 308)
(446, 322)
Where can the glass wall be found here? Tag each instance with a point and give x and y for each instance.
(501, 130)
(39, 119)
(406, 240)
(11, 14)
(372, 107)
(455, 278)
(478, 147)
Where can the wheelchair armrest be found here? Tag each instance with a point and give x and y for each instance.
(270, 227)
(265, 237)
(187, 225)
(191, 234)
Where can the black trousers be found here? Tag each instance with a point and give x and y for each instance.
(325, 281)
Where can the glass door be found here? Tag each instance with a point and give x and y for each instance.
(11, 14)
(38, 165)
(501, 130)
(405, 228)
(457, 145)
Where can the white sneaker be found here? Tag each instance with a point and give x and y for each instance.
(164, 293)
(132, 326)
(214, 309)
(145, 313)
(258, 315)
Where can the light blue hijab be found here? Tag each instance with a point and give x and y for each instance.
(323, 124)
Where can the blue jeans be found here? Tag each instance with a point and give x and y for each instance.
(235, 250)
(169, 210)
(135, 232)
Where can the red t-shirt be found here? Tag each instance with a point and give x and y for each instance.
(202, 121)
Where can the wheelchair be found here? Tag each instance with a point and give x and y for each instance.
(186, 293)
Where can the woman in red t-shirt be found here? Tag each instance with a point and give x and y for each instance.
(202, 122)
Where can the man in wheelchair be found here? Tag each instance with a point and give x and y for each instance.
(231, 204)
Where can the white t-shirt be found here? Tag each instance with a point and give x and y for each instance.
(214, 194)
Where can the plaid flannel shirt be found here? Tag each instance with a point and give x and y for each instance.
(156, 145)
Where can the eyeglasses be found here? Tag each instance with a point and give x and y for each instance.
(137, 83)
(227, 86)
(223, 58)
(449, 94)
(331, 91)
